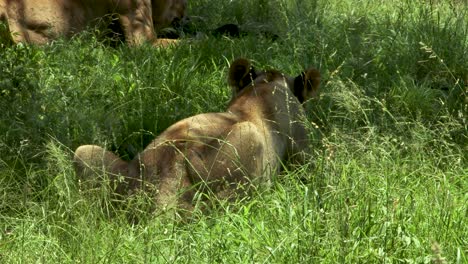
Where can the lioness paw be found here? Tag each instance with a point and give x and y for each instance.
(92, 162)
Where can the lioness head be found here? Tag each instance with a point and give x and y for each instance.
(167, 12)
(242, 74)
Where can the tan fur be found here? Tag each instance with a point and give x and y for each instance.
(41, 21)
(220, 154)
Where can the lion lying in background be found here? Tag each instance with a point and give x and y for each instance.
(41, 21)
(217, 153)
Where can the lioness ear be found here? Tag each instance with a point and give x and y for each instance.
(241, 74)
(306, 85)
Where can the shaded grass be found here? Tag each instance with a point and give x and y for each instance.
(388, 175)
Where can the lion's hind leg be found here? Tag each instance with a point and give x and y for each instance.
(94, 164)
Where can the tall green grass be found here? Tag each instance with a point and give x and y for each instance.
(387, 180)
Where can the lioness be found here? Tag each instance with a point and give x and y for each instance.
(218, 153)
(41, 21)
